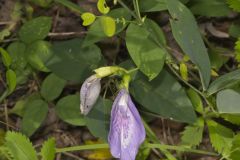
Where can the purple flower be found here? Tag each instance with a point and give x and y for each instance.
(89, 93)
(126, 129)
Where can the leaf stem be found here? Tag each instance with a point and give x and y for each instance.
(136, 8)
(83, 147)
(127, 8)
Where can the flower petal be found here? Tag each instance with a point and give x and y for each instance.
(126, 129)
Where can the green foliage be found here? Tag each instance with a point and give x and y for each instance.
(234, 4)
(52, 87)
(189, 38)
(235, 150)
(153, 97)
(6, 59)
(192, 134)
(48, 149)
(205, 8)
(228, 101)
(97, 120)
(34, 114)
(20, 146)
(42, 3)
(221, 137)
(196, 100)
(146, 54)
(5, 153)
(36, 29)
(68, 110)
(72, 61)
(226, 81)
(11, 80)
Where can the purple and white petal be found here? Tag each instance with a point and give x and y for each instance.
(89, 93)
(126, 129)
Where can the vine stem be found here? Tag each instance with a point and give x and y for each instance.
(148, 145)
(127, 8)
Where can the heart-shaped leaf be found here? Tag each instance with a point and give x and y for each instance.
(88, 18)
(102, 7)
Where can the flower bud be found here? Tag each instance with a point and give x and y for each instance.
(89, 93)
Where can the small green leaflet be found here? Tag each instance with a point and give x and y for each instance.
(196, 131)
(11, 80)
(48, 149)
(6, 59)
(20, 146)
(220, 137)
(109, 26)
(102, 7)
(88, 18)
(234, 4)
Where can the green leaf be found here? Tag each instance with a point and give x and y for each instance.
(11, 80)
(20, 146)
(196, 131)
(196, 100)
(68, 109)
(5, 153)
(102, 7)
(35, 113)
(146, 54)
(36, 29)
(109, 26)
(152, 5)
(234, 4)
(226, 81)
(143, 152)
(48, 149)
(88, 18)
(235, 151)
(228, 101)
(205, 8)
(220, 137)
(6, 59)
(98, 118)
(233, 118)
(42, 3)
(52, 87)
(157, 96)
(234, 30)
(96, 33)
(38, 53)
(72, 61)
(189, 39)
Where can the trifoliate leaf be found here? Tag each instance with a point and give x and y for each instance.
(88, 18)
(234, 4)
(48, 149)
(108, 25)
(196, 131)
(102, 7)
(20, 146)
(220, 137)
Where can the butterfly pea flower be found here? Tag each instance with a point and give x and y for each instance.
(126, 128)
(89, 93)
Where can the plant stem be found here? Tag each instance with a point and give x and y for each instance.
(127, 8)
(83, 147)
(4, 95)
(180, 148)
(149, 145)
(136, 8)
(71, 6)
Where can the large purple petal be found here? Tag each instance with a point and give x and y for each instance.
(126, 129)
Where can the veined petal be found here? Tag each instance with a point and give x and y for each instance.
(126, 129)
(89, 93)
